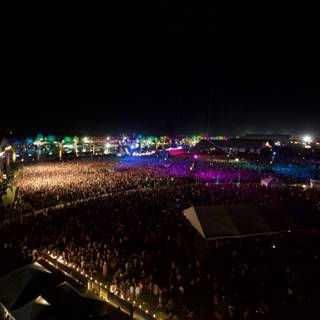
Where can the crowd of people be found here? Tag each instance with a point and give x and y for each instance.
(46, 184)
(298, 172)
(144, 248)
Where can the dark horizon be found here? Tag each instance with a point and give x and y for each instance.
(19, 134)
(163, 68)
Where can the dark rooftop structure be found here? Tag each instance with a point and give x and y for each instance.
(35, 293)
(243, 220)
(283, 138)
(234, 145)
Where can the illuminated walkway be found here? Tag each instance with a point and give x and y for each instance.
(102, 290)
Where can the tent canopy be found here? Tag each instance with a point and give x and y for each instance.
(243, 220)
(33, 292)
(69, 302)
(315, 184)
(24, 284)
(271, 182)
(38, 309)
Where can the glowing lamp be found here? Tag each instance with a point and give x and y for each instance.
(307, 139)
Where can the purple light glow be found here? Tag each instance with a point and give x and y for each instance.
(202, 172)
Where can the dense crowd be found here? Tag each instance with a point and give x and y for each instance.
(46, 184)
(145, 249)
(298, 171)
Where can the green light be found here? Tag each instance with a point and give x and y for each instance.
(67, 140)
(51, 139)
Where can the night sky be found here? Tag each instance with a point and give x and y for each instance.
(162, 67)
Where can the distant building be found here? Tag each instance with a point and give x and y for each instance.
(241, 145)
(284, 139)
(232, 145)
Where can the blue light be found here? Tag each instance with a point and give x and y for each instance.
(274, 153)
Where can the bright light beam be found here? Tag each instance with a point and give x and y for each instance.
(307, 139)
